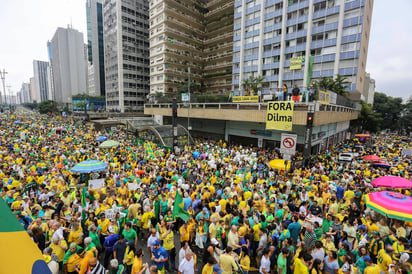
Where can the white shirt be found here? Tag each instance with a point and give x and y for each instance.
(182, 254)
(187, 267)
(264, 264)
(151, 239)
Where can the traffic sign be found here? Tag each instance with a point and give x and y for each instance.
(288, 143)
(185, 97)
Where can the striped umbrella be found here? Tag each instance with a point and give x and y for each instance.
(392, 204)
(109, 144)
(89, 166)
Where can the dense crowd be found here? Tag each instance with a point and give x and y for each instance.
(242, 215)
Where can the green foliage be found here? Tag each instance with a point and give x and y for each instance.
(48, 107)
(30, 105)
(80, 105)
(337, 84)
(368, 120)
(253, 83)
(92, 107)
(390, 109)
(212, 98)
(86, 96)
(182, 88)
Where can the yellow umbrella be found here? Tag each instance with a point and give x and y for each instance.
(279, 164)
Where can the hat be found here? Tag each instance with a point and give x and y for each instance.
(367, 259)
(205, 209)
(217, 268)
(73, 245)
(214, 241)
(362, 227)
(375, 233)
(111, 229)
(155, 243)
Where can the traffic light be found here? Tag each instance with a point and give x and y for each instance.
(309, 120)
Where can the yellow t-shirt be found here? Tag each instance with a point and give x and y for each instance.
(168, 240)
(300, 268)
(129, 256)
(146, 218)
(75, 236)
(58, 251)
(104, 225)
(373, 269)
(207, 269)
(137, 265)
(186, 235)
(384, 260)
(72, 262)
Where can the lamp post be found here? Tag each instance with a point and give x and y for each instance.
(188, 107)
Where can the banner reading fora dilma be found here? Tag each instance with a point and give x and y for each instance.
(279, 115)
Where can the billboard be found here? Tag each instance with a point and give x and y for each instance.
(279, 115)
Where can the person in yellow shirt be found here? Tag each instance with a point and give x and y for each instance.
(169, 245)
(399, 247)
(76, 234)
(385, 258)
(104, 224)
(138, 266)
(128, 257)
(227, 262)
(184, 233)
(59, 248)
(371, 268)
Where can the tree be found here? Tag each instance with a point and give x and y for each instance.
(48, 107)
(92, 107)
(389, 108)
(337, 85)
(253, 84)
(80, 105)
(368, 120)
(182, 88)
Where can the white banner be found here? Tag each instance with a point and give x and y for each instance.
(96, 184)
(132, 186)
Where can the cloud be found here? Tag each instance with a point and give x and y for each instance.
(390, 55)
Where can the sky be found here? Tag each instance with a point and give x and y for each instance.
(27, 25)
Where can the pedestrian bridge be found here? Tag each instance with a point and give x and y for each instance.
(254, 112)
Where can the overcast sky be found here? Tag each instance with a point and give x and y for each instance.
(26, 25)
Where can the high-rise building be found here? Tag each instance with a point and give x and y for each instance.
(296, 41)
(40, 80)
(25, 93)
(191, 34)
(33, 93)
(95, 45)
(50, 72)
(126, 49)
(68, 64)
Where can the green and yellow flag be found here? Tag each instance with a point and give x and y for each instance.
(84, 203)
(18, 253)
(149, 151)
(178, 210)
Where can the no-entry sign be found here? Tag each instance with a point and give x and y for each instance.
(288, 143)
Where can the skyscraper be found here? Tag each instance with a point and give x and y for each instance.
(191, 34)
(33, 93)
(95, 46)
(295, 41)
(25, 93)
(126, 49)
(40, 80)
(68, 64)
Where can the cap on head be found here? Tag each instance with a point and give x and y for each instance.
(367, 259)
(217, 268)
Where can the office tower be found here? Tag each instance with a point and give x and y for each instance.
(33, 93)
(95, 45)
(68, 64)
(25, 93)
(296, 41)
(126, 49)
(191, 34)
(40, 80)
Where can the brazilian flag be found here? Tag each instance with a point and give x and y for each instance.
(18, 253)
(178, 210)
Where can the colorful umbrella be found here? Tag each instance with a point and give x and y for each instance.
(372, 158)
(279, 164)
(381, 164)
(109, 144)
(18, 122)
(101, 138)
(89, 166)
(392, 181)
(392, 204)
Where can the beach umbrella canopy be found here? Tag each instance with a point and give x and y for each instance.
(392, 181)
(279, 164)
(101, 138)
(381, 164)
(89, 166)
(372, 158)
(18, 122)
(392, 204)
(109, 144)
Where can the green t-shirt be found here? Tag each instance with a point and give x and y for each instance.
(326, 225)
(282, 264)
(129, 235)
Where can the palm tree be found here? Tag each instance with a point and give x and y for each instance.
(337, 85)
(257, 83)
(246, 83)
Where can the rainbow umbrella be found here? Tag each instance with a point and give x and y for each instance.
(392, 181)
(392, 204)
(18, 252)
(372, 158)
(89, 166)
(381, 164)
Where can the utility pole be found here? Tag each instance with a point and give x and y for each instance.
(188, 108)
(174, 126)
(9, 95)
(308, 134)
(3, 79)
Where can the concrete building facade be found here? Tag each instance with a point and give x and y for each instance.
(325, 37)
(41, 81)
(126, 49)
(95, 47)
(68, 64)
(191, 34)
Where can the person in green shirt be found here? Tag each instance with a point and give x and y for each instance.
(327, 223)
(317, 230)
(130, 234)
(282, 261)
